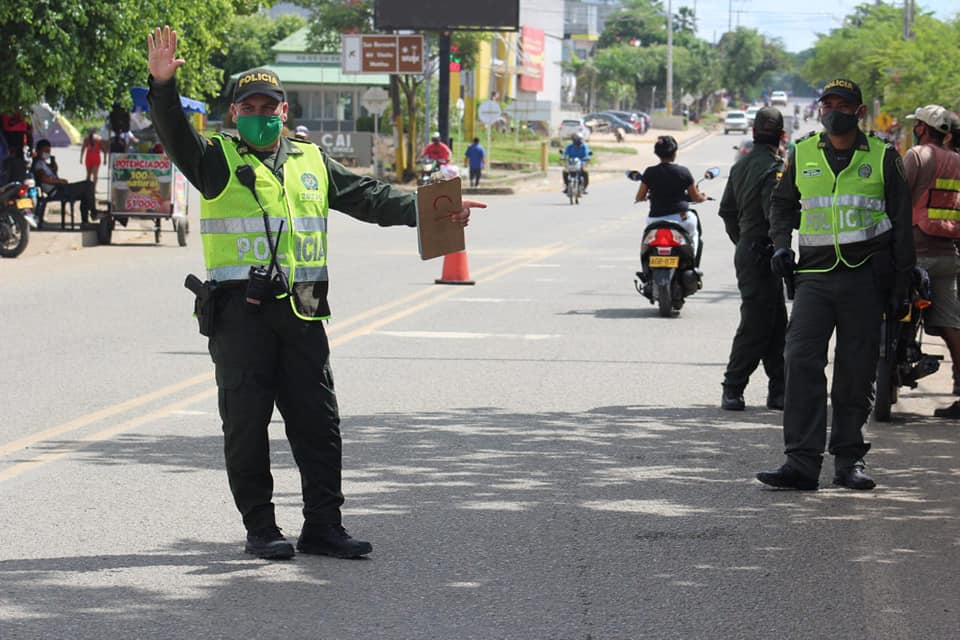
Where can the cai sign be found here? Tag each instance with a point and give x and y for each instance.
(531, 59)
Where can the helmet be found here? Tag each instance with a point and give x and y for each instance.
(665, 146)
(577, 137)
(435, 137)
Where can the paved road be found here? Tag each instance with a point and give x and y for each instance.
(538, 456)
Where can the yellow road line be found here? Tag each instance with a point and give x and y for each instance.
(100, 436)
(434, 296)
(106, 412)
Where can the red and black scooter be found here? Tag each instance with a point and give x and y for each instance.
(16, 207)
(669, 273)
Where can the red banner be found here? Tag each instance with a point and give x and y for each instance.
(531, 59)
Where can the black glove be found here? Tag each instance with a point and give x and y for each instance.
(900, 298)
(782, 263)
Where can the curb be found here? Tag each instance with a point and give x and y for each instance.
(489, 191)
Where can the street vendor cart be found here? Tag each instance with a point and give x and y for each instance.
(146, 185)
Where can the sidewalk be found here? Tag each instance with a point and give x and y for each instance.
(52, 239)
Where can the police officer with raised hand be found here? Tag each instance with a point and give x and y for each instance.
(745, 209)
(846, 194)
(263, 224)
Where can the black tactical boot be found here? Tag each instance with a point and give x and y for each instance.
(331, 540)
(268, 543)
(732, 399)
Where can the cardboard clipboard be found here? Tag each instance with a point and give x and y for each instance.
(436, 235)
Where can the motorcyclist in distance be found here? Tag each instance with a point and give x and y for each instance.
(577, 149)
(436, 150)
(670, 187)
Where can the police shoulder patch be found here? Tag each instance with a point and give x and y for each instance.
(310, 181)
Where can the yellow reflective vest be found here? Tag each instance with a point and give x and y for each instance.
(233, 228)
(843, 217)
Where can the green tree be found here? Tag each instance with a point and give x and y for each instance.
(867, 34)
(643, 21)
(744, 56)
(248, 41)
(79, 55)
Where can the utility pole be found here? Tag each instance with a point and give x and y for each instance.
(443, 97)
(909, 9)
(669, 57)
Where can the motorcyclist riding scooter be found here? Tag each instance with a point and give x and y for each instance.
(672, 246)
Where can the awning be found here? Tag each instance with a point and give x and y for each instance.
(322, 74)
(139, 95)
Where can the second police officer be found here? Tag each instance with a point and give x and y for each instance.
(744, 208)
(846, 193)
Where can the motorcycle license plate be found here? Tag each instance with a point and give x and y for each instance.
(24, 203)
(665, 261)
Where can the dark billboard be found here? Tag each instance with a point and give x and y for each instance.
(443, 15)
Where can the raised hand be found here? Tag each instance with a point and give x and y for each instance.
(162, 49)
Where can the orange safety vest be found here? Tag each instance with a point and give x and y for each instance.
(937, 212)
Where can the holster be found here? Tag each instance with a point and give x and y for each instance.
(762, 250)
(204, 304)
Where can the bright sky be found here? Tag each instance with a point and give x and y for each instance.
(796, 23)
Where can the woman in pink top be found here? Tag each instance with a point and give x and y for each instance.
(93, 148)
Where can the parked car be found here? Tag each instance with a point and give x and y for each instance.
(639, 124)
(608, 121)
(751, 114)
(778, 98)
(735, 121)
(742, 149)
(570, 127)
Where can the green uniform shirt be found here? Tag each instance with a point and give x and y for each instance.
(745, 205)
(201, 161)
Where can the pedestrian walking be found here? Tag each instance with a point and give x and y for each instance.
(846, 193)
(933, 176)
(260, 191)
(91, 155)
(475, 157)
(745, 209)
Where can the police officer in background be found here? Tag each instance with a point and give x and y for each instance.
(745, 208)
(846, 194)
(263, 223)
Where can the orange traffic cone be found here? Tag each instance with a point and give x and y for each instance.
(455, 270)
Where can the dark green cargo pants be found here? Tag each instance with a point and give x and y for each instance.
(763, 320)
(850, 301)
(270, 357)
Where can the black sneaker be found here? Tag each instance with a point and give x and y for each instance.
(331, 540)
(268, 543)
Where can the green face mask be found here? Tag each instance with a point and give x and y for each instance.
(259, 131)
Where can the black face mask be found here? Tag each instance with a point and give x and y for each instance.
(916, 136)
(837, 123)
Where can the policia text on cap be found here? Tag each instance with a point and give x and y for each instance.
(263, 222)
